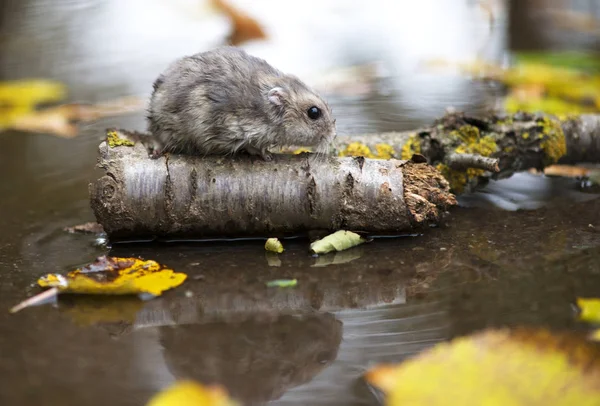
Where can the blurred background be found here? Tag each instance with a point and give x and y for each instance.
(70, 69)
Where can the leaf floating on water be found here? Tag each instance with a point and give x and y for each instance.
(590, 309)
(110, 276)
(282, 283)
(189, 393)
(496, 367)
(274, 245)
(116, 276)
(338, 241)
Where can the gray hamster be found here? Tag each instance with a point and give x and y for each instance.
(225, 101)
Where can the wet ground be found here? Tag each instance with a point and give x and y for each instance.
(381, 302)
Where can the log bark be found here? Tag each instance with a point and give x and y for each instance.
(184, 197)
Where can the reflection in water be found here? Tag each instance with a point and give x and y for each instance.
(255, 360)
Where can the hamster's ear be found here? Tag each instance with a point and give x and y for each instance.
(276, 96)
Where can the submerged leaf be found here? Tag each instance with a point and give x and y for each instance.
(338, 241)
(189, 393)
(274, 245)
(116, 276)
(282, 283)
(496, 367)
(590, 309)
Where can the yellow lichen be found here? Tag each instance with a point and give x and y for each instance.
(411, 147)
(456, 179)
(525, 135)
(553, 142)
(385, 151)
(113, 140)
(357, 149)
(473, 142)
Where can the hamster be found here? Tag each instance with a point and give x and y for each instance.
(225, 101)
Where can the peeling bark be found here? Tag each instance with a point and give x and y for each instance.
(191, 197)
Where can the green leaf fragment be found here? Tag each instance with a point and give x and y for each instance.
(274, 245)
(338, 241)
(282, 283)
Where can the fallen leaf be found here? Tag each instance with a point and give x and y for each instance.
(338, 241)
(189, 393)
(567, 171)
(244, 27)
(116, 276)
(282, 283)
(496, 367)
(110, 276)
(30, 92)
(274, 245)
(61, 120)
(590, 309)
(595, 335)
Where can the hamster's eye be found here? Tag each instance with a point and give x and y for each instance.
(314, 113)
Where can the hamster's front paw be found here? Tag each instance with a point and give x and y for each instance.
(267, 156)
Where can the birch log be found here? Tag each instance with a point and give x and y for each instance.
(177, 197)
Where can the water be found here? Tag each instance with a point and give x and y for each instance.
(488, 265)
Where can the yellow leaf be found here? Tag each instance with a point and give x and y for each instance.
(496, 367)
(60, 120)
(116, 276)
(188, 393)
(338, 241)
(590, 309)
(30, 92)
(274, 245)
(595, 335)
